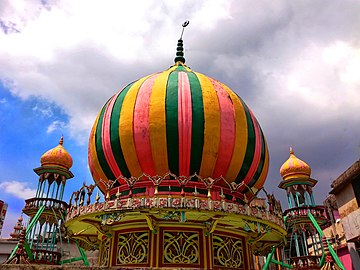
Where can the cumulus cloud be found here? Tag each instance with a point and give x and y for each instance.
(56, 125)
(295, 63)
(17, 189)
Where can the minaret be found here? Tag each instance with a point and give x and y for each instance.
(47, 209)
(304, 240)
(17, 229)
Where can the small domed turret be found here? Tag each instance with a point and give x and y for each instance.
(57, 156)
(294, 168)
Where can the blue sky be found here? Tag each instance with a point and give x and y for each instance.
(28, 129)
(295, 63)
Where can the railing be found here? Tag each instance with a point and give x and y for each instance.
(46, 256)
(194, 203)
(318, 212)
(36, 203)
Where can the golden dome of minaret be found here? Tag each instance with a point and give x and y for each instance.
(57, 156)
(294, 168)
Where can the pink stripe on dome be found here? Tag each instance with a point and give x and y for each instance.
(106, 142)
(141, 126)
(184, 123)
(227, 131)
(257, 153)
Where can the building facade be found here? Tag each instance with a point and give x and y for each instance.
(346, 189)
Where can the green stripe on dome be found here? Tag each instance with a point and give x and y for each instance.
(98, 143)
(197, 132)
(262, 161)
(181, 68)
(250, 149)
(114, 132)
(172, 136)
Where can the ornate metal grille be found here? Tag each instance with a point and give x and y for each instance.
(105, 252)
(228, 252)
(181, 247)
(132, 248)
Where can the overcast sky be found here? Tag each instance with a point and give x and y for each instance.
(295, 63)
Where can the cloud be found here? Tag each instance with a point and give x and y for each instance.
(44, 111)
(56, 125)
(295, 63)
(17, 189)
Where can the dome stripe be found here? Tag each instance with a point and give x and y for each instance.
(241, 137)
(141, 126)
(227, 130)
(211, 126)
(99, 147)
(95, 174)
(114, 132)
(184, 123)
(260, 182)
(106, 142)
(172, 137)
(158, 123)
(249, 154)
(126, 129)
(261, 161)
(257, 152)
(94, 164)
(197, 136)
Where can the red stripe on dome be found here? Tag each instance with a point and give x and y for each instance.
(141, 126)
(184, 123)
(257, 153)
(106, 142)
(227, 130)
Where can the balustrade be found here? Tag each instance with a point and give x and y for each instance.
(46, 256)
(316, 211)
(49, 203)
(175, 203)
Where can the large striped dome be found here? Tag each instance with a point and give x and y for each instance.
(182, 122)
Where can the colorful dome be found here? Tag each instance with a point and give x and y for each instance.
(57, 156)
(182, 122)
(294, 168)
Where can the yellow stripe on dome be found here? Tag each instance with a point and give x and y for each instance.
(126, 133)
(241, 137)
(93, 154)
(211, 126)
(157, 122)
(188, 69)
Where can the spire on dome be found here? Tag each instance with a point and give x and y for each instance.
(57, 156)
(180, 48)
(294, 168)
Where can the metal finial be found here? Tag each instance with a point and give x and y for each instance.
(180, 49)
(61, 140)
(186, 23)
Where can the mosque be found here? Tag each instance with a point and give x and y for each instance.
(179, 159)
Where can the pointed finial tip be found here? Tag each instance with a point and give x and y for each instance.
(180, 48)
(291, 151)
(61, 140)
